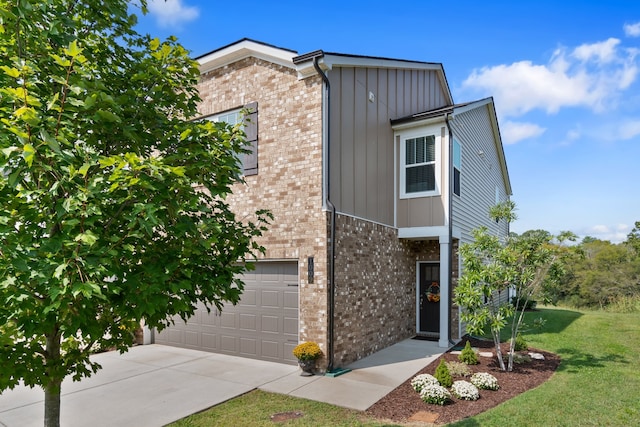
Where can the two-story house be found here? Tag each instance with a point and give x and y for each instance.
(374, 177)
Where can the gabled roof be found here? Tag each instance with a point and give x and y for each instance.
(246, 48)
(450, 112)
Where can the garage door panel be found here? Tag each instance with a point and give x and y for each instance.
(263, 325)
(192, 338)
(270, 298)
(248, 347)
(248, 322)
(290, 299)
(248, 298)
(209, 342)
(270, 324)
(228, 344)
(290, 326)
(228, 320)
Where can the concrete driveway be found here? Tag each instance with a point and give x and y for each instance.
(153, 385)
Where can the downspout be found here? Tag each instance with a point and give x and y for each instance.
(449, 255)
(332, 208)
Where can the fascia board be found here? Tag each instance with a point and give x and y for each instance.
(242, 50)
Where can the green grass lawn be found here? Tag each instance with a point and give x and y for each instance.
(597, 384)
(255, 409)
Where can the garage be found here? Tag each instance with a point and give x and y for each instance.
(263, 325)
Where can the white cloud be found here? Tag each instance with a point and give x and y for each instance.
(632, 30)
(603, 52)
(629, 129)
(513, 132)
(590, 76)
(613, 233)
(172, 13)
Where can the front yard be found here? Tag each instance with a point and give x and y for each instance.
(596, 384)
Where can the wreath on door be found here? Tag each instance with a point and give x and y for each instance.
(433, 292)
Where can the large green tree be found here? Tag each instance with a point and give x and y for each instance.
(112, 198)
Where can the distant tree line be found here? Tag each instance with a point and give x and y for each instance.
(598, 274)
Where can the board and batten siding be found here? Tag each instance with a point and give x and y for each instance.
(481, 174)
(363, 101)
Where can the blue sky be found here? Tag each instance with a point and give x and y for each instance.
(565, 77)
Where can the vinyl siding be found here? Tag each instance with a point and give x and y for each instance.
(480, 174)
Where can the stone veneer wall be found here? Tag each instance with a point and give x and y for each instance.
(375, 299)
(289, 179)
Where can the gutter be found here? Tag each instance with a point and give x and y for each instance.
(315, 56)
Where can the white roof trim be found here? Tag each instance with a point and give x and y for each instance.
(365, 61)
(245, 49)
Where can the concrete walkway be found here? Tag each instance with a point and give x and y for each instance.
(154, 385)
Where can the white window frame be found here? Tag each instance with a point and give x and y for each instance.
(434, 130)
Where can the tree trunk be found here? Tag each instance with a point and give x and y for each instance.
(53, 387)
(496, 342)
(512, 350)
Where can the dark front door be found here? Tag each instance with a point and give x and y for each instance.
(429, 297)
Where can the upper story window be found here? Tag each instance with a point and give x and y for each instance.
(250, 126)
(457, 166)
(419, 176)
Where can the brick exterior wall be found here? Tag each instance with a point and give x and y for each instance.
(375, 296)
(289, 179)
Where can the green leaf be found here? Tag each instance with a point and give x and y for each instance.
(63, 62)
(84, 169)
(154, 44)
(105, 115)
(73, 50)
(51, 142)
(59, 270)
(88, 238)
(11, 72)
(28, 154)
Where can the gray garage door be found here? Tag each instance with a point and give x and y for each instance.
(263, 325)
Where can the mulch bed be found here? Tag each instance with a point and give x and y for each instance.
(404, 405)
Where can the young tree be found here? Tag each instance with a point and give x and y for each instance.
(112, 199)
(492, 266)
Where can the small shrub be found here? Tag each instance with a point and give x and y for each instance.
(468, 355)
(435, 394)
(520, 358)
(458, 369)
(443, 375)
(521, 344)
(465, 390)
(421, 381)
(484, 381)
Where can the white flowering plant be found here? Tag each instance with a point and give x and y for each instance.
(435, 394)
(420, 381)
(485, 381)
(465, 390)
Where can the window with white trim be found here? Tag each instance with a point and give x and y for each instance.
(419, 176)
